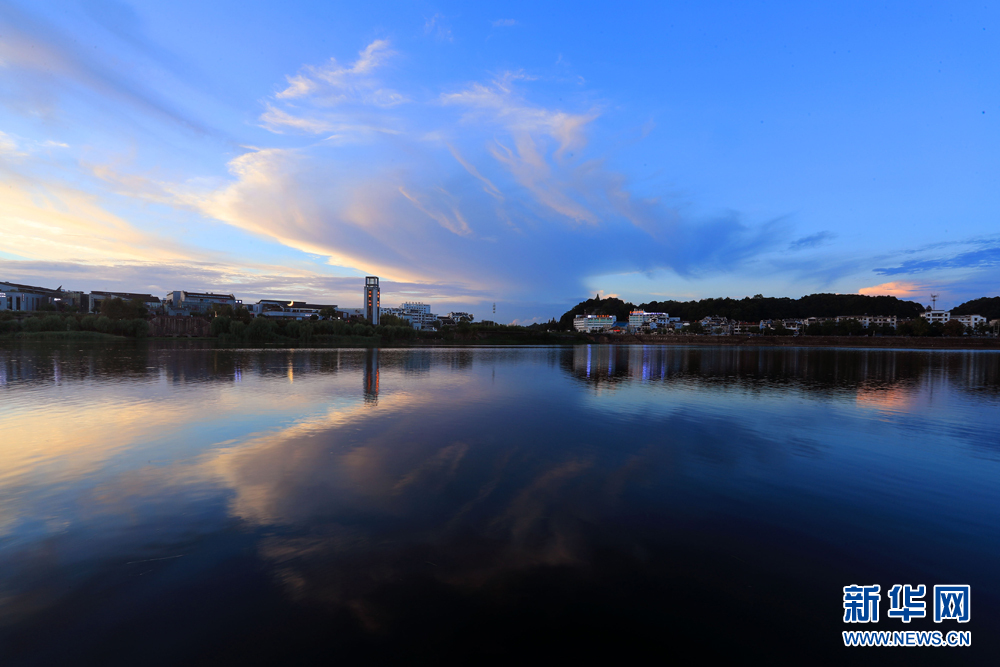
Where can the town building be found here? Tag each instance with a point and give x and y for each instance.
(372, 300)
(970, 320)
(933, 316)
(870, 320)
(717, 326)
(944, 316)
(640, 319)
(795, 326)
(152, 303)
(74, 299)
(418, 314)
(281, 308)
(180, 302)
(593, 323)
(14, 296)
(745, 328)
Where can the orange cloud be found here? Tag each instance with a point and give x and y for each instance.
(897, 289)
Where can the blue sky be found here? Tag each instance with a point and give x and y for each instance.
(528, 154)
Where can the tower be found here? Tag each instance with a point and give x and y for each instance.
(371, 299)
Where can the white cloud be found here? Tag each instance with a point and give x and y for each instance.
(304, 105)
(345, 79)
(9, 147)
(504, 23)
(435, 26)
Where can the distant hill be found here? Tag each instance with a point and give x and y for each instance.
(754, 309)
(987, 306)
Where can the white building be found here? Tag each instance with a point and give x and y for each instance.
(943, 316)
(592, 323)
(640, 319)
(933, 316)
(418, 314)
(870, 320)
(970, 320)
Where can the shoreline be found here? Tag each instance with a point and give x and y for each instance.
(895, 342)
(509, 339)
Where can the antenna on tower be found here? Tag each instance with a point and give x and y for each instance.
(934, 301)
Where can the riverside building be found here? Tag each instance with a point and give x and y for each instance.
(25, 297)
(592, 323)
(372, 297)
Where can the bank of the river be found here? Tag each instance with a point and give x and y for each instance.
(515, 338)
(905, 342)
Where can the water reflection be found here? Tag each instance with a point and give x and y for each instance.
(497, 500)
(371, 376)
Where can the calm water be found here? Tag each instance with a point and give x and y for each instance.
(183, 506)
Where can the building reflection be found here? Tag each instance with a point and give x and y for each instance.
(810, 369)
(370, 377)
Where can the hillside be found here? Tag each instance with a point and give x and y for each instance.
(987, 306)
(753, 309)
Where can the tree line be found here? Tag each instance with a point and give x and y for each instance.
(757, 308)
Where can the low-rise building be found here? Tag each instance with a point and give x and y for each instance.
(745, 328)
(280, 308)
(970, 320)
(14, 296)
(180, 302)
(944, 316)
(593, 323)
(795, 326)
(717, 326)
(871, 320)
(933, 316)
(640, 319)
(152, 303)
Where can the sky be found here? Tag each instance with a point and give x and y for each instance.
(530, 155)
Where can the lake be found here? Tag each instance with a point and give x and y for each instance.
(171, 504)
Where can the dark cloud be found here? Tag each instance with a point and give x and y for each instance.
(812, 241)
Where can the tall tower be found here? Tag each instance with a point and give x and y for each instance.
(371, 299)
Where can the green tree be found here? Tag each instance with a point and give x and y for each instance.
(116, 308)
(394, 321)
(953, 328)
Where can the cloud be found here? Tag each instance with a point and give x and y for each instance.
(341, 127)
(476, 192)
(303, 105)
(899, 289)
(337, 83)
(49, 65)
(8, 147)
(435, 26)
(486, 192)
(813, 241)
(504, 23)
(987, 255)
